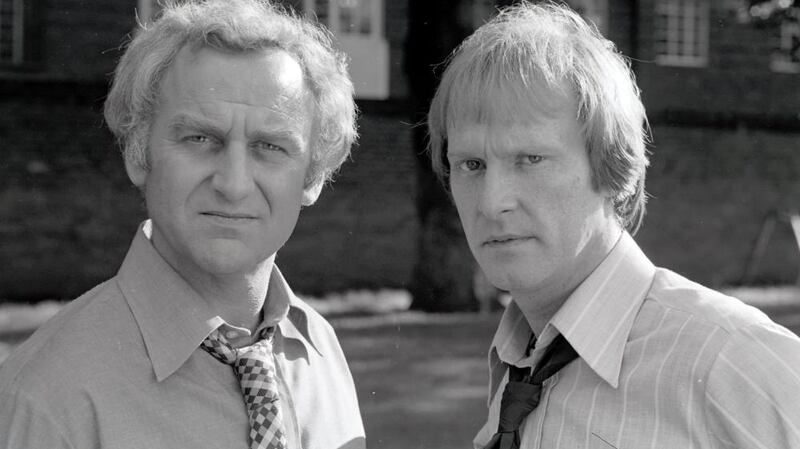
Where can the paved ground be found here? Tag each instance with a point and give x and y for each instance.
(421, 379)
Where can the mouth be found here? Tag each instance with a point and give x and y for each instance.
(503, 240)
(228, 216)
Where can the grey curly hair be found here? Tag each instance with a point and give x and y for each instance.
(239, 26)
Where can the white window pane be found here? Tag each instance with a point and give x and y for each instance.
(681, 32)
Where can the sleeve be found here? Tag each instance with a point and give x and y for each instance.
(753, 390)
(25, 425)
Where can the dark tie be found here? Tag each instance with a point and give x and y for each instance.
(523, 390)
(255, 369)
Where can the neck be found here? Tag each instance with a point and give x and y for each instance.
(237, 298)
(535, 314)
(541, 305)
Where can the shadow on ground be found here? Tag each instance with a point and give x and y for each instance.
(421, 379)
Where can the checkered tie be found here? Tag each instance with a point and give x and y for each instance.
(255, 370)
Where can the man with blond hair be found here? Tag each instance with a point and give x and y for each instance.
(539, 133)
(232, 114)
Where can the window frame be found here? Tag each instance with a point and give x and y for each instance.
(369, 52)
(20, 53)
(685, 28)
(333, 16)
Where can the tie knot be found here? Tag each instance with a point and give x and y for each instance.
(523, 390)
(217, 345)
(255, 369)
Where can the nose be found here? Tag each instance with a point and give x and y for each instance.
(498, 195)
(233, 178)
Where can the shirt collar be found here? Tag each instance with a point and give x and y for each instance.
(596, 319)
(173, 319)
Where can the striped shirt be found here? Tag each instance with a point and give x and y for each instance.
(663, 363)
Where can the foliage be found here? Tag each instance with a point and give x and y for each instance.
(770, 12)
(775, 14)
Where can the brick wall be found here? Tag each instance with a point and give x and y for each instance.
(362, 231)
(711, 190)
(68, 211)
(726, 153)
(736, 81)
(79, 39)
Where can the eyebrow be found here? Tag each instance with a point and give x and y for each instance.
(188, 121)
(184, 121)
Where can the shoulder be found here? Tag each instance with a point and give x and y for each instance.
(747, 366)
(743, 331)
(677, 295)
(64, 354)
(709, 327)
(752, 387)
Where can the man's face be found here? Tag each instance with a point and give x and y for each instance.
(523, 189)
(229, 151)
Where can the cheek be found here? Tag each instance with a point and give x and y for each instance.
(164, 184)
(282, 189)
(465, 206)
(462, 194)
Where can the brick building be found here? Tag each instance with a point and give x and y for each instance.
(723, 97)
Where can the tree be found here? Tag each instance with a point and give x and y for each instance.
(770, 11)
(776, 13)
(442, 277)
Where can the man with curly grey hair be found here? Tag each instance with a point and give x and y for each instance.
(538, 131)
(232, 114)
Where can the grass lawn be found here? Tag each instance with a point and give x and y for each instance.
(421, 380)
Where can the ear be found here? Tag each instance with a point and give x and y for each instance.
(136, 173)
(311, 193)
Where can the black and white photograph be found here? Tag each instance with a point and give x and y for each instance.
(394, 224)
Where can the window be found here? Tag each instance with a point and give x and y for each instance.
(681, 31)
(12, 32)
(358, 26)
(786, 57)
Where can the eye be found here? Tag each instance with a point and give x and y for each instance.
(531, 159)
(196, 138)
(266, 147)
(470, 165)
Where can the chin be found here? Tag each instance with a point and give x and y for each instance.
(514, 279)
(228, 259)
(499, 279)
